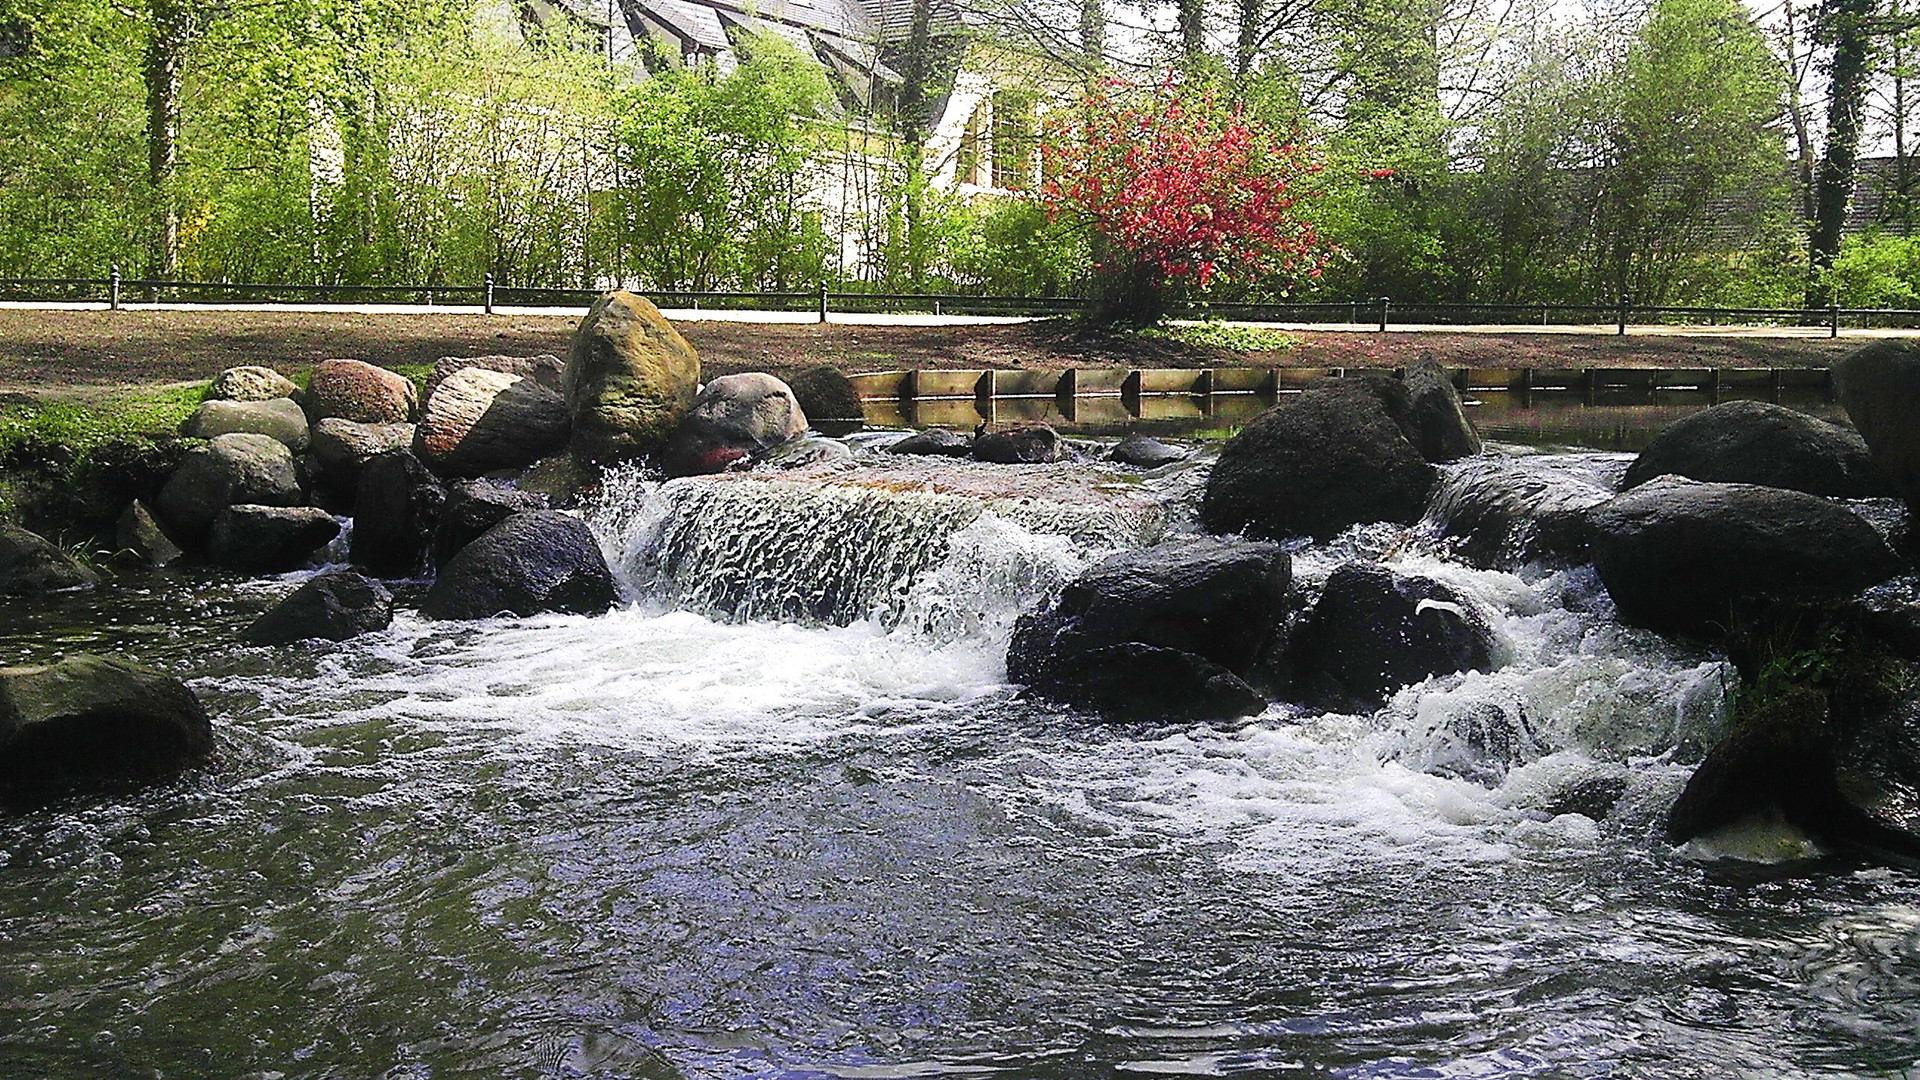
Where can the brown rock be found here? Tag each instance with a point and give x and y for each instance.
(361, 392)
(478, 420)
(545, 369)
(630, 378)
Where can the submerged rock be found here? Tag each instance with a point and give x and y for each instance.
(630, 378)
(1880, 387)
(1679, 556)
(735, 417)
(1374, 631)
(30, 565)
(359, 391)
(90, 721)
(535, 561)
(269, 539)
(1169, 632)
(333, 606)
(138, 533)
(278, 418)
(829, 399)
(1330, 458)
(251, 383)
(1145, 452)
(1025, 444)
(473, 507)
(1753, 442)
(805, 452)
(1501, 513)
(933, 442)
(394, 515)
(477, 420)
(230, 470)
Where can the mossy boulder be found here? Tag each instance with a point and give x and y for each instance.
(629, 381)
(30, 565)
(91, 721)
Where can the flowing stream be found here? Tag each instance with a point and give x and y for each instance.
(780, 815)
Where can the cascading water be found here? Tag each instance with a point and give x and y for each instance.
(780, 815)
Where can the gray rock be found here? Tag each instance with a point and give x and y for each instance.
(1434, 421)
(533, 562)
(395, 513)
(1679, 556)
(1330, 458)
(734, 418)
(473, 507)
(358, 391)
(90, 721)
(1374, 631)
(1501, 513)
(269, 539)
(630, 379)
(230, 470)
(478, 420)
(139, 533)
(829, 400)
(343, 447)
(1136, 683)
(1024, 444)
(805, 452)
(546, 370)
(251, 383)
(277, 418)
(1880, 387)
(933, 442)
(1145, 452)
(1753, 442)
(30, 565)
(333, 606)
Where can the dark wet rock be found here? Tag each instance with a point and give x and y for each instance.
(478, 420)
(1434, 420)
(1594, 797)
(394, 515)
(89, 722)
(343, 447)
(277, 418)
(1753, 442)
(1780, 756)
(630, 379)
(1879, 385)
(1025, 444)
(533, 562)
(30, 565)
(231, 470)
(1330, 458)
(805, 452)
(1374, 631)
(1202, 613)
(251, 383)
(736, 417)
(1145, 452)
(829, 399)
(333, 606)
(934, 442)
(545, 370)
(269, 539)
(473, 507)
(1680, 556)
(1500, 513)
(138, 534)
(358, 391)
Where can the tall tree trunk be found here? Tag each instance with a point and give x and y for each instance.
(1248, 48)
(1193, 42)
(1848, 73)
(1797, 118)
(915, 71)
(166, 53)
(1093, 33)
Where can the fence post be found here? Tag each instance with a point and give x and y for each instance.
(489, 303)
(1353, 315)
(1833, 320)
(1385, 303)
(936, 307)
(1543, 314)
(1623, 313)
(823, 300)
(113, 288)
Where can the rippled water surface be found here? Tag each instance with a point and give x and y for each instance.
(667, 843)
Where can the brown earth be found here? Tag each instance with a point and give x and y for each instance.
(44, 351)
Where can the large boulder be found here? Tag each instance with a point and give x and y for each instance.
(251, 383)
(1501, 512)
(1680, 556)
(1169, 632)
(90, 721)
(269, 539)
(333, 606)
(829, 399)
(478, 420)
(1023, 444)
(1780, 756)
(277, 418)
(230, 470)
(139, 535)
(1880, 387)
(1330, 458)
(533, 562)
(933, 442)
(1753, 442)
(394, 515)
(30, 565)
(545, 370)
(735, 417)
(359, 391)
(630, 378)
(343, 447)
(1145, 451)
(1434, 421)
(1374, 631)
(473, 507)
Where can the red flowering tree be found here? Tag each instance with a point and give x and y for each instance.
(1181, 192)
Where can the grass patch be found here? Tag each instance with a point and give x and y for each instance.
(74, 429)
(1214, 334)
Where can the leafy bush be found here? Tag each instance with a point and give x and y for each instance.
(1877, 270)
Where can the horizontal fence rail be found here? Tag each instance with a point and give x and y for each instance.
(1378, 312)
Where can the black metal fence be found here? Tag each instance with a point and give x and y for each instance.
(1379, 312)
